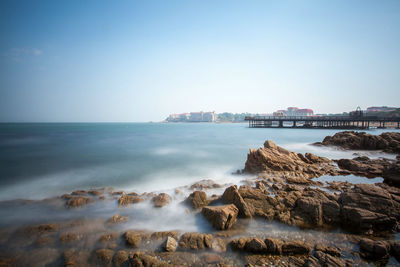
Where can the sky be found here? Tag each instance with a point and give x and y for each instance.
(134, 61)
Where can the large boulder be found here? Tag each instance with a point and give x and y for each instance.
(170, 244)
(221, 217)
(375, 250)
(272, 158)
(129, 199)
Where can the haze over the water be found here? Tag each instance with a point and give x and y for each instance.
(142, 60)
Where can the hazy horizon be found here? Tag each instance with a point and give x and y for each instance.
(136, 61)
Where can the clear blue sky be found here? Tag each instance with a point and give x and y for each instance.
(142, 60)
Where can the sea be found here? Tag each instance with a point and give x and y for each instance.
(42, 160)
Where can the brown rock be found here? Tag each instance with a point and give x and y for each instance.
(221, 217)
(129, 199)
(164, 234)
(133, 239)
(255, 245)
(118, 219)
(212, 258)
(70, 237)
(104, 256)
(78, 201)
(161, 200)
(197, 199)
(121, 258)
(139, 259)
(295, 248)
(374, 249)
(274, 246)
(75, 257)
(195, 241)
(327, 249)
(232, 196)
(170, 244)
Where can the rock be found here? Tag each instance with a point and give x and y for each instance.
(204, 184)
(197, 199)
(104, 256)
(218, 245)
(274, 246)
(170, 244)
(395, 247)
(70, 237)
(221, 217)
(274, 159)
(78, 201)
(374, 249)
(364, 166)
(195, 241)
(75, 257)
(231, 195)
(323, 259)
(121, 258)
(327, 249)
(239, 244)
(212, 258)
(164, 235)
(133, 239)
(139, 259)
(295, 248)
(108, 237)
(255, 245)
(161, 200)
(118, 219)
(129, 199)
(391, 174)
(388, 142)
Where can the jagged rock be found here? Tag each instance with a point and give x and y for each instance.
(365, 166)
(231, 195)
(197, 199)
(118, 219)
(391, 174)
(320, 259)
(170, 244)
(389, 141)
(374, 249)
(272, 158)
(161, 200)
(164, 234)
(295, 248)
(221, 217)
(121, 258)
(195, 241)
(129, 199)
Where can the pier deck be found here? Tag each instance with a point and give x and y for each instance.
(323, 122)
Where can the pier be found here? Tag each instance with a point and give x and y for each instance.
(323, 122)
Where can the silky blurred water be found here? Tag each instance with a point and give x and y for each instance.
(43, 160)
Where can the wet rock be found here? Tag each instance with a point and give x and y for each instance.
(218, 245)
(161, 200)
(139, 259)
(108, 237)
(121, 258)
(104, 256)
(389, 141)
(364, 166)
(71, 237)
(75, 257)
(197, 199)
(391, 174)
(129, 199)
(170, 244)
(255, 245)
(274, 246)
(327, 249)
(295, 248)
(395, 247)
(272, 158)
(322, 259)
(239, 244)
(41, 228)
(204, 184)
(78, 201)
(118, 219)
(94, 192)
(231, 195)
(374, 249)
(164, 234)
(195, 241)
(133, 239)
(221, 217)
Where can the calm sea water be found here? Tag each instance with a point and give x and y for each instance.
(43, 160)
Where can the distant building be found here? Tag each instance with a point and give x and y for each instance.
(193, 117)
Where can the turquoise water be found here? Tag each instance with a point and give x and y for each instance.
(43, 160)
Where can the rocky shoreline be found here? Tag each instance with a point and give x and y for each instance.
(281, 215)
